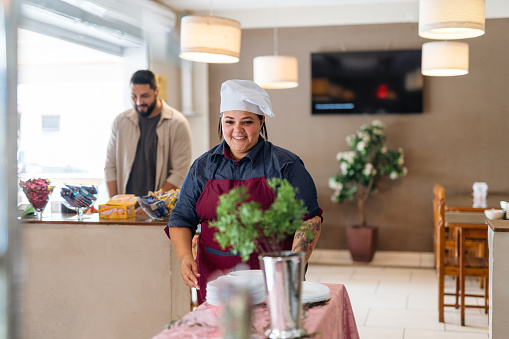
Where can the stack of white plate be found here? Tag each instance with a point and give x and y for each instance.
(314, 292)
(248, 273)
(253, 282)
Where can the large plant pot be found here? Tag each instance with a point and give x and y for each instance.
(362, 242)
(284, 272)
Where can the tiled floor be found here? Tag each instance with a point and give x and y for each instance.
(396, 295)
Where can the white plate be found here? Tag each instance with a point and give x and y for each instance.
(247, 273)
(314, 292)
(253, 281)
(255, 300)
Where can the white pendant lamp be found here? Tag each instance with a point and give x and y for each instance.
(451, 19)
(444, 58)
(276, 71)
(210, 39)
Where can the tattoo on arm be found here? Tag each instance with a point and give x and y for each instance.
(303, 243)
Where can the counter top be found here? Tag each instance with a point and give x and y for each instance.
(499, 225)
(71, 218)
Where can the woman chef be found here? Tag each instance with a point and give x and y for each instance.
(244, 157)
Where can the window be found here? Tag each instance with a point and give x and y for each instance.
(68, 96)
(75, 59)
(50, 123)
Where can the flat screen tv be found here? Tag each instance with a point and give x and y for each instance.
(372, 82)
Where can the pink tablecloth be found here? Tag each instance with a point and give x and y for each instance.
(334, 320)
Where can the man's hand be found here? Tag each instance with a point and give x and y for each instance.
(167, 187)
(112, 188)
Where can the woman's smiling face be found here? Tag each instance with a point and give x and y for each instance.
(241, 130)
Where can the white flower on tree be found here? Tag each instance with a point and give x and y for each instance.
(364, 137)
(339, 156)
(369, 170)
(349, 156)
(344, 168)
(335, 185)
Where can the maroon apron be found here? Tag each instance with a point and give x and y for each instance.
(211, 259)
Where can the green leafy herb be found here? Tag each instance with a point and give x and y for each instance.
(245, 227)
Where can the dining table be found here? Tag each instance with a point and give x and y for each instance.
(464, 202)
(331, 319)
(462, 217)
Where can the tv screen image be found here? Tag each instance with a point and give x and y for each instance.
(370, 82)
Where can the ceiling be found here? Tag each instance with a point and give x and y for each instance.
(301, 13)
(204, 5)
(112, 25)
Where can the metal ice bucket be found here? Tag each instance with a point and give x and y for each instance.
(284, 272)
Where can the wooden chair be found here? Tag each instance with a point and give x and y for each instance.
(445, 250)
(474, 246)
(450, 242)
(471, 266)
(460, 264)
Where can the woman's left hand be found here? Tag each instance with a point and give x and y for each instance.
(302, 242)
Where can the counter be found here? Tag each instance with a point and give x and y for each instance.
(498, 244)
(99, 278)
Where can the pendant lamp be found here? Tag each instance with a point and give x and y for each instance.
(210, 39)
(276, 71)
(451, 19)
(444, 58)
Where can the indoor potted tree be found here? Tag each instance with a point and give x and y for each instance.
(361, 168)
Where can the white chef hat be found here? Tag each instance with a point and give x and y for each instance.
(245, 95)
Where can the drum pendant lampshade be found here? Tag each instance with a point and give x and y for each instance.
(444, 58)
(451, 19)
(210, 39)
(276, 71)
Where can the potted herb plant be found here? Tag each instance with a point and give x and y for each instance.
(245, 228)
(360, 170)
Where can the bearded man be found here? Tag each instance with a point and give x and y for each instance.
(150, 144)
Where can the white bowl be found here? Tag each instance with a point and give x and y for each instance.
(494, 214)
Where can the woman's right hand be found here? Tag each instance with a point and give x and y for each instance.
(181, 238)
(189, 271)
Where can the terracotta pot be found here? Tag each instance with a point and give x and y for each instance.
(362, 242)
